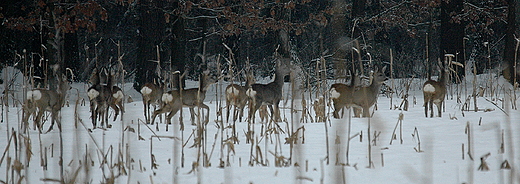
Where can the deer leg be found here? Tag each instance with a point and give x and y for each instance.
(58, 119)
(121, 108)
(169, 117)
(273, 115)
(235, 113)
(154, 109)
(228, 108)
(192, 115)
(158, 112)
(100, 115)
(357, 112)
(25, 121)
(425, 108)
(106, 116)
(93, 114)
(366, 112)
(337, 108)
(146, 112)
(430, 106)
(38, 121)
(439, 108)
(276, 112)
(54, 118)
(251, 111)
(204, 106)
(242, 106)
(254, 106)
(29, 110)
(116, 109)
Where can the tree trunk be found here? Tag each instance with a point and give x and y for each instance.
(452, 34)
(340, 34)
(71, 52)
(509, 50)
(358, 11)
(151, 32)
(178, 49)
(358, 8)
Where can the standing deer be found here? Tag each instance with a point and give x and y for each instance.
(152, 93)
(117, 101)
(361, 98)
(41, 100)
(236, 96)
(102, 95)
(268, 94)
(435, 91)
(173, 100)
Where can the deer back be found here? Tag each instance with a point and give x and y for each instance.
(195, 96)
(272, 92)
(49, 99)
(436, 90)
(152, 92)
(236, 94)
(367, 96)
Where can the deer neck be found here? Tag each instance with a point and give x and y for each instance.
(203, 85)
(375, 86)
(278, 79)
(443, 77)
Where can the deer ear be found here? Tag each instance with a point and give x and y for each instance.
(383, 70)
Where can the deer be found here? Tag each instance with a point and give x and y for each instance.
(268, 94)
(434, 92)
(152, 93)
(361, 98)
(40, 100)
(102, 95)
(174, 100)
(236, 96)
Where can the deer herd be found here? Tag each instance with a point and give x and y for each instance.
(103, 94)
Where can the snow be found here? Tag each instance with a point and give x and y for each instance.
(433, 150)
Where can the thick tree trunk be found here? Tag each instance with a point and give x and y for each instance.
(340, 34)
(358, 11)
(452, 34)
(178, 50)
(509, 50)
(71, 52)
(151, 32)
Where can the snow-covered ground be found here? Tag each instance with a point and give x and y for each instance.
(453, 149)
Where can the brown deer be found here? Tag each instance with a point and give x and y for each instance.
(117, 101)
(174, 100)
(268, 94)
(236, 96)
(102, 95)
(435, 91)
(152, 93)
(41, 100)
(361, 98)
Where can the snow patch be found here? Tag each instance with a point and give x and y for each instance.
(92, 93)
(146, 90)
(429, 88)
(334, 94)
(167, 98)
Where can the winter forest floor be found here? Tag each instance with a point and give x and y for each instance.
(394, 146)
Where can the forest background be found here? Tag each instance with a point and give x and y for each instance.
(146, 39)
